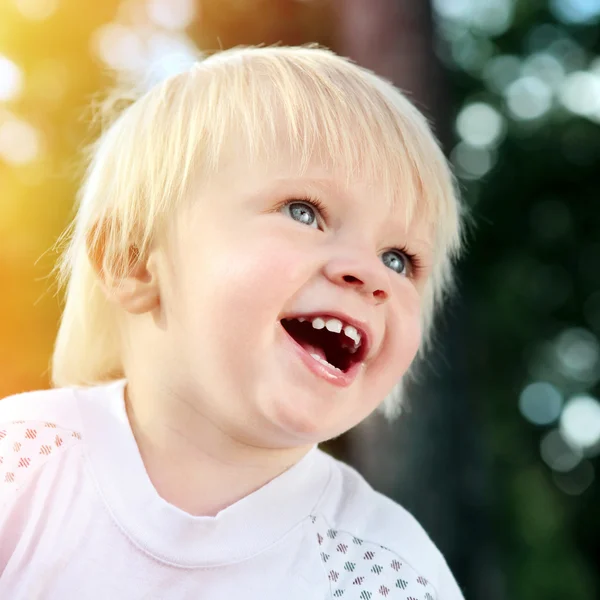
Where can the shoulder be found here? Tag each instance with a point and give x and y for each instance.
(34, 428)
(354, 505)
(367, 539)
(55, 405)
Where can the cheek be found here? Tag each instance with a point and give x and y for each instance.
(404, 328)
(410, 316)
(410, 321)
(259, 275)
(243, 285)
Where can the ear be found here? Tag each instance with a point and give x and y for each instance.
(135, 288)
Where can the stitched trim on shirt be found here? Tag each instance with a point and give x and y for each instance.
(163, 560)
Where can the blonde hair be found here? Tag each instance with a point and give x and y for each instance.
(141, 168)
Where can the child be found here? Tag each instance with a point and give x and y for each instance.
(259, 248)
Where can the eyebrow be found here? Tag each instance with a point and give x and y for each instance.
(319, 184)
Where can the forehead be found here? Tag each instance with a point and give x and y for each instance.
(347, 191)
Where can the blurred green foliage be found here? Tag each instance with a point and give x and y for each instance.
(532, 273)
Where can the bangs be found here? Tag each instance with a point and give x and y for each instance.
(327, 111)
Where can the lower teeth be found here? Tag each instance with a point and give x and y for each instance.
(324, 362)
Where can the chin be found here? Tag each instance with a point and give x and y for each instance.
(306, 420)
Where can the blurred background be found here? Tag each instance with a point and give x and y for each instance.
(497, 451)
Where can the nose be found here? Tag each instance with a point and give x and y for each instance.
(365, 275)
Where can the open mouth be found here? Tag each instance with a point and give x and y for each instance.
(328, 340)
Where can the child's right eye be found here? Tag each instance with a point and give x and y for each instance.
(304, 212)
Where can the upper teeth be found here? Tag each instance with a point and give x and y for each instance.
(335, 326)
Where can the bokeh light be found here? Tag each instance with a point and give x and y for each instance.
(172, 14)
(501, 71)
(528, 98)
(119, 47)
(578, 354)
(557, 453)
(470, 52)
(472, 162)
(150, 55)
(36, 10)
(541, 36)
(576, 11)
(491, 17)
(540, 403)
(568, 52)
(169, 54)
(581, 94)
(580, 422)
(11, 79)
(480, 125)
(546, 67)
(19, 141)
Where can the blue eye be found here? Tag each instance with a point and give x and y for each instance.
(397, 261)
(302, 212)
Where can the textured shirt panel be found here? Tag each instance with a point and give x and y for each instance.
(358, 569)
(26, 446)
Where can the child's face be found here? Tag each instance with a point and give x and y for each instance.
(240, 263)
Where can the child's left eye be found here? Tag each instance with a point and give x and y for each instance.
(303, 212)
(400, 261)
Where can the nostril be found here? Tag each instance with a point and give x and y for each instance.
(379, 295)
(351, 279)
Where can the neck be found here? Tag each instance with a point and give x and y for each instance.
(195, 465)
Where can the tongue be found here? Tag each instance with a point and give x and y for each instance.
(313, 349)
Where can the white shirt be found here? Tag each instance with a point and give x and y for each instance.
(80, 519)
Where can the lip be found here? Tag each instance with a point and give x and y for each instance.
(363, 328)
(329, 374)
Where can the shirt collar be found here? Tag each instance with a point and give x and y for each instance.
(241, 530)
